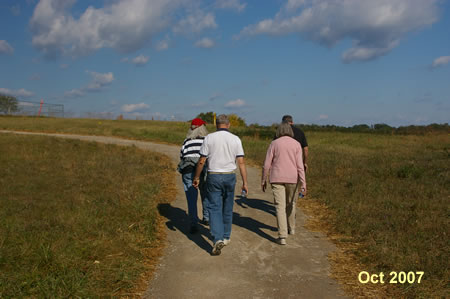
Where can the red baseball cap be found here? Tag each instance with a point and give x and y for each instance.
(197, 122)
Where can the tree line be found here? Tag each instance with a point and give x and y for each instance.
(381, 128)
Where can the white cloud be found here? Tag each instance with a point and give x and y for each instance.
(196, 22)
(205, 43)
(124, 25)
(440, 61)
(99, 80)
(17, 92)
(15, 10)
(35, 77)
(163, 44)
(74, 93)
(215, 96)
(140, 60)
(128, 108)
(374, 26)
(235, 104)
(323, 116)
(5, 48)
(231, 4)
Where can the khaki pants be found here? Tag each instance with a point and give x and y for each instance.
(285, 198)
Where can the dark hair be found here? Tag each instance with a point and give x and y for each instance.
(287, 119)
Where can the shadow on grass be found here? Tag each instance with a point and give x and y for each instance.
(179, 220)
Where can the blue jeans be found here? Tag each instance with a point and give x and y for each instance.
(220, 188)
(192, 195)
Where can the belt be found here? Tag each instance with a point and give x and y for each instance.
(212, 172)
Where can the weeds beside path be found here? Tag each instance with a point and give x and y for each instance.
(253, 265)
(77, 219)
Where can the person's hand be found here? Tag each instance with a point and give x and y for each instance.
(196, 182)
(304, 191)
(306, 167)
(245, 187)
(264, 186)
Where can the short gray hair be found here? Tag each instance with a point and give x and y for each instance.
(222, 119)
(284, 129)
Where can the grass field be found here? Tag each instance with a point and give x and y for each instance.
(77, 219)
(389, 194)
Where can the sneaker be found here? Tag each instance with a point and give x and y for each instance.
(217, 247)
(226, 242)
(204, 222)
(281, 241)
(194, 229)
(291, 231)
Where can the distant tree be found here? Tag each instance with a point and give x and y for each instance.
(207, 116)
(384, 128)
(8, 104)
(236, 121)
(360, 128)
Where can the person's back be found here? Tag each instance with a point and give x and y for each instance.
(223, 148)
(285, 164)
(286, 159)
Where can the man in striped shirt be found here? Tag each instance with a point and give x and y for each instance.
(189, 156)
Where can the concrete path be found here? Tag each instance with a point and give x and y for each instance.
(252, 265)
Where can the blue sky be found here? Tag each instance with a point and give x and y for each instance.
(341, 62)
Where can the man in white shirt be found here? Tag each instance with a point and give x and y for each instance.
(222, 149)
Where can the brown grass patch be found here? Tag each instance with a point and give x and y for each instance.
(155, 252)
(344, 263)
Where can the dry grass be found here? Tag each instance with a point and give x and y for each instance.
(387, 195)
(79, 219)
(345, 266)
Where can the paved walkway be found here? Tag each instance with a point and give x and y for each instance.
(252, 266)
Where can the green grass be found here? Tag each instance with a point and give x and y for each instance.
(76, 218)
(390, 193)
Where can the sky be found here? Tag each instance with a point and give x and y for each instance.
(340, 62)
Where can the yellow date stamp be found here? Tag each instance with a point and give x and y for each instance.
(393, 277)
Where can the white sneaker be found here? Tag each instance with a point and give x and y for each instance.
(217, 247)
(226, 242)
(291, 231)
(281, 241)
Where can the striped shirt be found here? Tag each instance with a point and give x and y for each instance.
(191, 148)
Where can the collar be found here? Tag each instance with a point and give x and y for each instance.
(222, 129)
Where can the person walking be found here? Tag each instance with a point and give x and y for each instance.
(299, 136)
(189, 157)
(284, 162)
(222, 149)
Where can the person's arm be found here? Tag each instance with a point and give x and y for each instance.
(198, 171)
(301, 171)
(305, 157)
(243, 170)
(266, 167)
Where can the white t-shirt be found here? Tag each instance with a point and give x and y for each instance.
(222, 148)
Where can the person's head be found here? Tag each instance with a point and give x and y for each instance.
(222, 121)
(287, 119)
(284, 129)
(197, 129)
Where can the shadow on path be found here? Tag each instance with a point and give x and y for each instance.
(259, 204)
(179, 220)
(253, 226)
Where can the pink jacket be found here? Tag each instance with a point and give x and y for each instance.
(284, 159)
